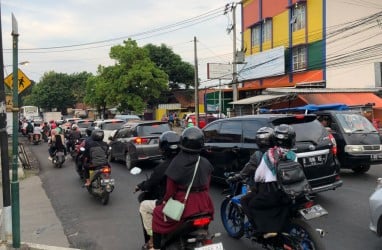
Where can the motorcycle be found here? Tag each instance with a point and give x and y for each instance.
(79, 160)
(297, 234)
(192, 234)
(76, 148)
(101, 184)
(58, 159)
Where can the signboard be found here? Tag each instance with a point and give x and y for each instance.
(8, 103)
(219, 71)
(23, 81)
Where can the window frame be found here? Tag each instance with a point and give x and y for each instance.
(299, 14)
(256, 40)
(299, 58)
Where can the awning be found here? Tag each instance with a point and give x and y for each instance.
(350, 99)
(257, 99)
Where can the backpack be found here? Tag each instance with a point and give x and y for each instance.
(29, 128)
(98, 155)
(291, 179)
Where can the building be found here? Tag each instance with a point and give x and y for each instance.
(318, 43)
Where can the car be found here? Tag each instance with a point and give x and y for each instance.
(137, 141)
(109, 126)
(230, 142)
(204, 119)
(83, 124)
(375, 209)
(127, 118)
(359, 144)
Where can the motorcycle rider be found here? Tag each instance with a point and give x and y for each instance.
(96, 151)
(80, 157)
(37, 130)
(73, 135)
(179, 175)
(155, 186)
(56, 143)
(268, 208)
(45, 131)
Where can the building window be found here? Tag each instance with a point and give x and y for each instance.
(299, 58)
(298, 20)
(267, 30)
(255, 35)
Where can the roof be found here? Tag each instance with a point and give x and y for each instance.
(350, 99)
(258, 99)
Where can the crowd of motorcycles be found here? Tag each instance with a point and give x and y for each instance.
(194, 233)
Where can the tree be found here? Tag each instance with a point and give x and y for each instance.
(178, 71)
(78, 83)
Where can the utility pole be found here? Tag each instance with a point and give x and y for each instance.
(234, 64)
(196, 80)
(4, 149)
(15, 142)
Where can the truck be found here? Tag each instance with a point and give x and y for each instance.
(55, 116)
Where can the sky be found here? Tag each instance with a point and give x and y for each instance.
(72, 36)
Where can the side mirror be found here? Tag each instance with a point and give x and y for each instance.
(82, 149)
(135, 171)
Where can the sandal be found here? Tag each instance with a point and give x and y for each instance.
(148, 246)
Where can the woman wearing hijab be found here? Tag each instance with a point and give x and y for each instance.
(179, 175)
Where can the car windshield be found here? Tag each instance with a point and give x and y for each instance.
(112, 125)
(153, 129)
(353, 123)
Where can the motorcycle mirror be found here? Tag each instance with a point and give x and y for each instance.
(82, 149)
(135, 171)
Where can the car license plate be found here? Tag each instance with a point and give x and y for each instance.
(313, 160)
(216, 246)
(313, 212)
(376, 157)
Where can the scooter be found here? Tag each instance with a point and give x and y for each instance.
(58, 159)
(192, 234)
(101, 183)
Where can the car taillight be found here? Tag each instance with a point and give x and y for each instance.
(202, 221)
(334, 146)
(299, 116)
(140, 140)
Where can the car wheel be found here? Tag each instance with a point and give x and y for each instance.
(128, 161)
(361, 169)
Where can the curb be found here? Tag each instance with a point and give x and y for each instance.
(33, 246)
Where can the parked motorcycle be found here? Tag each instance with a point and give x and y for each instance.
(297, 234)
(101, 183)
(192, 234)
(58, 159)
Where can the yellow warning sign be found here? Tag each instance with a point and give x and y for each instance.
(8, 103)
(23, 81)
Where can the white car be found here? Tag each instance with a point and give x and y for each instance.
(109, 126)
(375, 203)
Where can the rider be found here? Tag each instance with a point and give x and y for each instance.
(179, 175)
(269, 207)
(55, 144)
(155, 186)
(37, 130)
(96, 152)
(73, 136)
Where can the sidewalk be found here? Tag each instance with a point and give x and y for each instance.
(40, 228)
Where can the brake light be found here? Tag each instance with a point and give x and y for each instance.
(299, 116)
(334, 146)
(207, 242)
(106, 170)
(202, 221)
(140, 140)
(309, 204)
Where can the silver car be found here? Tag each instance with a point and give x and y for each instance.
(375, 202)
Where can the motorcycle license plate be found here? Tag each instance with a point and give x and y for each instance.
(107, 181)
(313, 212)
(216, 246)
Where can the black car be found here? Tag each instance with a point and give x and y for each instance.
(230, 142)
(358, 142)
(137, 141)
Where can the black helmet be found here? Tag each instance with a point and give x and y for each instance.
(169, 143)
(285, 136)
(192, 140)
(97, 135)
(89, 131)
(265, 137)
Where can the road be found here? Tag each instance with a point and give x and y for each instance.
(90, 225)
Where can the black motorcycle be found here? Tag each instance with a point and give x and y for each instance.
(193, 233)
(58, 158)
(297, 234)
(101, 183)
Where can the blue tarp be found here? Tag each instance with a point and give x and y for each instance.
(308, 108)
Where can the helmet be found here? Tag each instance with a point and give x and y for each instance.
(192, 140)
(285, 136)
(97, 134)
(89, 131)
(265, 137)
(169, 143)
(74, 127)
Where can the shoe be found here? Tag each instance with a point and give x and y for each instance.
(269, 235)
(49, 158)
(148, 245)
(87, 183)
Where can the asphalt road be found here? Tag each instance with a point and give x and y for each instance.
(90, 225)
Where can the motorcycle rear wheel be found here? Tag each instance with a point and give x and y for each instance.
(232, 217)
(301, 236)
(105, 198)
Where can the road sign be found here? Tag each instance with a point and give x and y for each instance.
(8, 103)
(23, 81)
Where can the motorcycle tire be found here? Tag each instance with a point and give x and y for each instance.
(105, 198)
(300, 235)
(232, 217)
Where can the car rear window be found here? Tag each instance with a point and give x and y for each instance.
(152, 129)
(309, 131)
(84, 124)
(112, 125)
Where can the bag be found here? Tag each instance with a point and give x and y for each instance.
(173, 209)
(291, 179)
(98, 156)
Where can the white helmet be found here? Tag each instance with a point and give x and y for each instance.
(74, 126)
